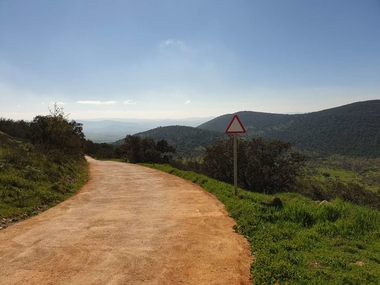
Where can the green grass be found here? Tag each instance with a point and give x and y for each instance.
(31, 182)
(346, 176)
(362, 171)
(339, 174)
(301, 242)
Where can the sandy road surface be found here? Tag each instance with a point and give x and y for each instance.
(128, 225)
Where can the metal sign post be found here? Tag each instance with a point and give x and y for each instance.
(235, 164)
(235, 127)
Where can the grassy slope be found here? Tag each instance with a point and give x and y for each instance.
(303, 242)
(31, 182)
(363, 171)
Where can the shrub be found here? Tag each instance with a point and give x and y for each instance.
(145, 150)
(331, 189)
(263, 166)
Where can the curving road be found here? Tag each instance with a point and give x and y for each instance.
(128, 225)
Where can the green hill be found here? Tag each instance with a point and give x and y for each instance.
(32, 181)
(188, 141)
(351, 130)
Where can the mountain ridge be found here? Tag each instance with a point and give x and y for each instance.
(351, 129)
(188, 141)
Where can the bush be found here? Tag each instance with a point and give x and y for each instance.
(145, 150)
(331, 189)
(54, 134)
(263, 166)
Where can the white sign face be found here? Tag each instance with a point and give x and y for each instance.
(235, 126)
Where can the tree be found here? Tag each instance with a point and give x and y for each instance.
(131, 148)
(218, 161)
(54, 134)
(137, 149)
(263, 166)
(163, 147)
(18, 129)
(100, 150)
(165, 150)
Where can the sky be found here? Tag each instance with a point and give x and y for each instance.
(167, 59)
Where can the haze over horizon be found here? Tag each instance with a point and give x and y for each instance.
(175, 60)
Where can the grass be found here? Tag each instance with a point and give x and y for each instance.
(339, 174)
(362, 171)
(31, 182)
(324, 174)
(301, 242)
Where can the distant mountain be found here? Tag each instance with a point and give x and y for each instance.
(188, 141)
(105, 130)
(352, 129)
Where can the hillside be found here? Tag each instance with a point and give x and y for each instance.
(35, 176)
(351, 129)
(188, 141)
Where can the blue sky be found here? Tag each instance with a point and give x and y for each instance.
(179, 59)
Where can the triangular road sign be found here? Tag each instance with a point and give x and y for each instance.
(235, 126)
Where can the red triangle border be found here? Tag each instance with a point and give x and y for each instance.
(243, 131)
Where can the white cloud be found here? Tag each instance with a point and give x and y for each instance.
(166, 43)
(175, 43)
(58, 103)
(170, 42)
(129, 102)
(97, 102)
(188, 102)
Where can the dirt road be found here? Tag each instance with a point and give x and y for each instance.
(127, 225)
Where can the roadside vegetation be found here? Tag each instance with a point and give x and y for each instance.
(272, 167)
(41, 164)
(264, 166)
(295, 240)
(352, 179)
(310, 218)
(135, 149)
